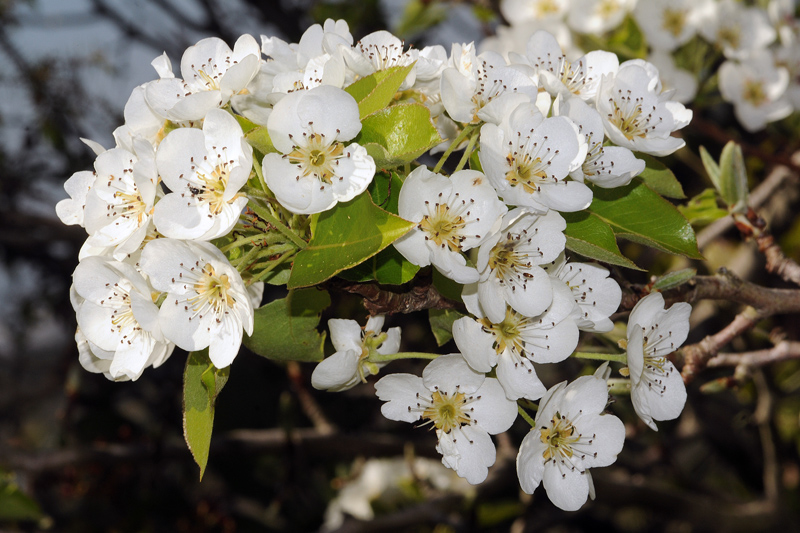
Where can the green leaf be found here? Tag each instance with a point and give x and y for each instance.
(661, 179)
(398, 134)
(15, 505)
(703, 209)
(258, 138)
(441, 321)
(712, 169)
(286, 329)
(674, 279)
(446, 286)
(388, 267)
(418, 16)
(385, 190)
(640, 215)
(202, 382)
(377, 90)
(733, 177)
(589, 236)
(345, 236)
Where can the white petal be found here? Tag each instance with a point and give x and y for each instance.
(519, 379)
(475, 344)
(568, 489)
(400, 391)
(449, 373)
(493, 411)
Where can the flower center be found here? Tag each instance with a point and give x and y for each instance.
(754, 92)
(212, 291)
(318, 157)
(526, 171)
(131, 204)
(508, 333)
(607, 8)
(559, 437)
(444, 227)
(628, 116)
(547, 7)
(212, 191)
(729, 36)
(448, 412)
(674, 21)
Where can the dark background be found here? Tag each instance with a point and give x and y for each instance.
(79, 453)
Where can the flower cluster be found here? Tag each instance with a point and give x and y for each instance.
(759, 47)
(221, 177)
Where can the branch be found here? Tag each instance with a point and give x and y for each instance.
(696, 356)
(777, 263)
(722, 286)
(782, 351)
(379, 301)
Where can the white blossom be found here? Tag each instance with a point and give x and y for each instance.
(520, 12)
(517, 341)
(667, 24)
(596, 295)
(452, 214)
(204, 169)
(571, 436)
(558, 75)
(605, 166)
(636, 114)
(348, 366)
(212, 73)
(508, 263)
(597, 16)
(119, 332)
(528, 157)
(738, 30)
(465, 407)
(683, 82)
(378, 51)
(757, 89)
(657, 389)
(207, 304)
(314, 169)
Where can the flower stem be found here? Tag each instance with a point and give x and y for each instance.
(266, 238)
(619, 386)
(280, 226)
(467, 152)
(381, 358)
(245, 259)
(272, 266)
(453, 145)
(524, 414)
(617, 357)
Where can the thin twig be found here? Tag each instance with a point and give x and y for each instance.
(782, 351)
(696, 356)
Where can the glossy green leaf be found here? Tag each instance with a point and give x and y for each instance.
(385, 190)
(202, 382)
(589, 236)
(398, 134)
(388, 267)
(661, 179)
(377, 90)
(286, 329)
(640, 215)
(703, 208)
(441, 321)
(446, 286)
(674, 279)
(343, 237)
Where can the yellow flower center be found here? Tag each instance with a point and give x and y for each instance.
(448, 412)
(559, 437)
(444, 227)
(213, 291)
(317, 158)
(674, 21)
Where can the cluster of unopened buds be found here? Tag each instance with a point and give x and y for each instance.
(186, 221)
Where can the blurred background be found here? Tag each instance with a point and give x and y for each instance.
(79, 453)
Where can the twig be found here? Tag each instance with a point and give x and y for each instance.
(762, 418)
(722, 286)
(309, 405)
(379, 301)
(696, 356)
(782, 351)
(777, 263)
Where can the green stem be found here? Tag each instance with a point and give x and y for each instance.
(524, 414)
(380, 358)
(242, 241)
(619, 386)
(467, 152)
(252, 192)
(453, 145)
(272, 266)
(246, 259)
(280, 226)
(617, 357)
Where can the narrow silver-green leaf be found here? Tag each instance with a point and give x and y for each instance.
(674, 279)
